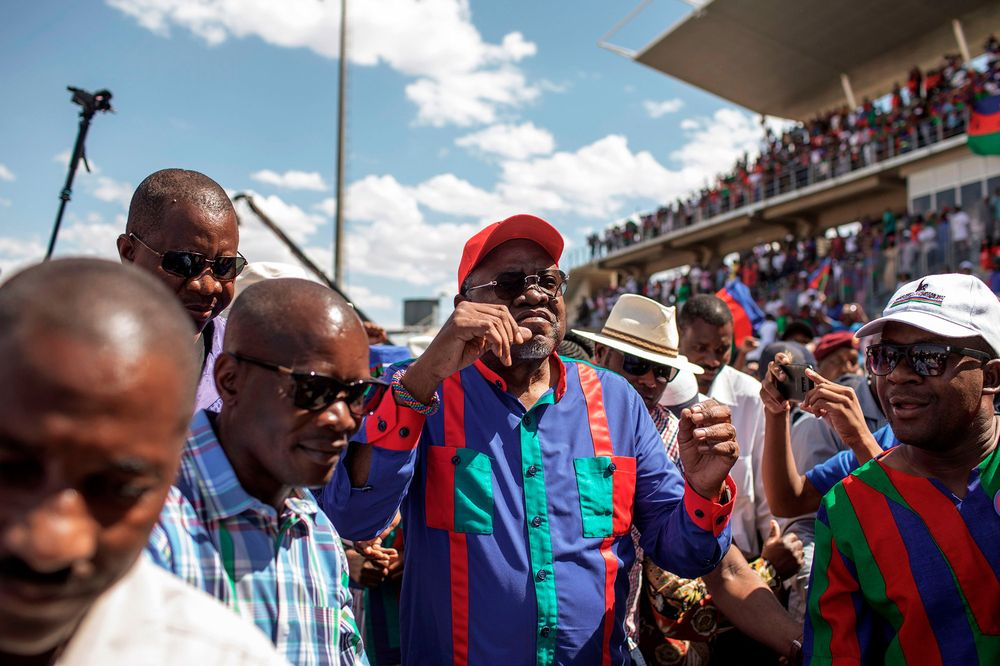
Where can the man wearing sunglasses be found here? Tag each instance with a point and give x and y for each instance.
(182, 228)
(241, 523)
(86, 460)
(519, 474)
(905, 567)
(639, 341)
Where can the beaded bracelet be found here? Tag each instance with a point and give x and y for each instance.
(406, 398)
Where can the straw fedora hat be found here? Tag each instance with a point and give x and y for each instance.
(642, 327)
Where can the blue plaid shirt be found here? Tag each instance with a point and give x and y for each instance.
(285, 572)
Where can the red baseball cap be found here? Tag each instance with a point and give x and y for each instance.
(515, 227)
(831, 342)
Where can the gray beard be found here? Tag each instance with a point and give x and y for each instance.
(538, 347)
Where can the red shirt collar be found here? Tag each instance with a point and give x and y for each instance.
(498, 381)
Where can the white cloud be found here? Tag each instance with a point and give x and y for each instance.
(5, 202)
(327, 206)
(367, 300)
(449, 194)
(113, 191)
(662, 108)
(510, 141)
(63, 159)
(461, 78)
(292, 180)
(6, 173)
(714, 144)
(593, 181)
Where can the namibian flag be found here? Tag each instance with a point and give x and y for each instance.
(746, 315)
(984, 126)
(819, 277)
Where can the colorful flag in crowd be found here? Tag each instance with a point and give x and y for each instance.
(819, 277)
(984, 126)
(747, 316)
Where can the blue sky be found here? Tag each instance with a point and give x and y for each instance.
(459, 113)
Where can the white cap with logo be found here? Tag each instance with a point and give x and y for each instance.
(951, 305)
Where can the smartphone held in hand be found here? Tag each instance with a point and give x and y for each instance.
(796, 384)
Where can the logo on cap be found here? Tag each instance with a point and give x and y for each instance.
(922, 294)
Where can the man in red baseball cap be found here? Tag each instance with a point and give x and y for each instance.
(519, 475)
(837, 355)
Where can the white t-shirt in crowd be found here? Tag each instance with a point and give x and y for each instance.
(152, 618)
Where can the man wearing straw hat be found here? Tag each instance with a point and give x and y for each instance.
(520, 475)
(639, 341)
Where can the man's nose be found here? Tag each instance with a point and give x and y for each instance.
(338, 417)
(206, 283)
(55, 534)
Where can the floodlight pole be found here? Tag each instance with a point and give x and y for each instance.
(338, 222)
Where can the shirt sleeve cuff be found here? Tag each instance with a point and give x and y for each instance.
(392, 426)
(706, 514)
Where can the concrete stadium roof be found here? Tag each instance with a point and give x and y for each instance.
(785, 58)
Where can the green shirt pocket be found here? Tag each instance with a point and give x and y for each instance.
(459, 496)
(607, 492)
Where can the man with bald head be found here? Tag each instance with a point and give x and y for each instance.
(241, 522)
(182, 228)
(86, 459)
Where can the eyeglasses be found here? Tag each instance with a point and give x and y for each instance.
(637, 367)
(314, 391)
(192, 264)
(509, 285)
(927, 359)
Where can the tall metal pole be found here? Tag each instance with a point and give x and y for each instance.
(338, 223)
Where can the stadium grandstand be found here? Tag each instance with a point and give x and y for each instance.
(872, 183)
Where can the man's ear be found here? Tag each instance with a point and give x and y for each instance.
(991, 377)
(458, 299)
(126, 249)
(600, 353)
(227, 378)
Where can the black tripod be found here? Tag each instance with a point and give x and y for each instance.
(91, 103)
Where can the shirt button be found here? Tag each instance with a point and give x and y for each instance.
(531, 471)
(527, 419)
(607, 512)
(382, 425)
(545, 632)
(455, 460)
(404, 432)
(498, 384)
(699, 513)
(536, 521)
(612, 468)
(720, 520)
(541, 575)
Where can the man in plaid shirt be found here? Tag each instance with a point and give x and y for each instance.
(240, 522)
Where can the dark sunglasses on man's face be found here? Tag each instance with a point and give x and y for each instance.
(314, 391)
(510, 284)
(637, 367)
(928, 359)
(192, 264)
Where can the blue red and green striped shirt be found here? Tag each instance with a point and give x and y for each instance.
(518, 541)
(905, 572)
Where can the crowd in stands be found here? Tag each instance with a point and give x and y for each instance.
(929, 107)
(810, 280)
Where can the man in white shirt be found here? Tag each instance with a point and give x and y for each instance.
(97, 382)
(706, 339)
(959, 221)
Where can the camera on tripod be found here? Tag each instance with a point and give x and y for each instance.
(91, 102)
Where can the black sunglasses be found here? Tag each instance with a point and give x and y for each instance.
(314, 391)
(192, 264)
(637, 367)
(927, 359)
(509, 285)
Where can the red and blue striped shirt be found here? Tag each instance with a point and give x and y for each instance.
(905, 572)
(518, 520)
